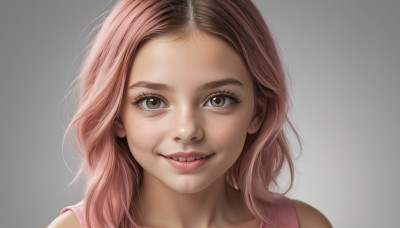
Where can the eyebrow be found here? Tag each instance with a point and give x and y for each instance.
(219, 83)
(150, 85)
(208, 85)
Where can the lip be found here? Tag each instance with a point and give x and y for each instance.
(187, 161)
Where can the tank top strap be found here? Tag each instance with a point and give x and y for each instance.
(79, 211)
(282, 214)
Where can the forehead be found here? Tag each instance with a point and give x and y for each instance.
(196, 55)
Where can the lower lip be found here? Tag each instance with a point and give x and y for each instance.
(188, 165)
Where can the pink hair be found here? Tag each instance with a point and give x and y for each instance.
(114, 176)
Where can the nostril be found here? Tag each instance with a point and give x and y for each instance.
(188, 135)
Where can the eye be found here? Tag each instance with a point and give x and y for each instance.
(221, 101)
(150, 103)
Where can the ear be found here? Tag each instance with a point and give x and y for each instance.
(258, 117)
(119, 128)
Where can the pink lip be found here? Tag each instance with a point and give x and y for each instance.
(187, 161)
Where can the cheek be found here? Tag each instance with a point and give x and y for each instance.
(231, 134)
(142, 138)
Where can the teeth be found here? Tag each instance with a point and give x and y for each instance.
(186, 159)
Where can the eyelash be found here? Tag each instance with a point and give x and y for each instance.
(143, 96)
(138, 100)
(227, 94)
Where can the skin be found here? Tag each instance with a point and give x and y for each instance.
(186, 114)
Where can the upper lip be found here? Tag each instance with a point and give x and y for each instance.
(187, 155)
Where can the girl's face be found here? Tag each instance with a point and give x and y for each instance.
(187, 109)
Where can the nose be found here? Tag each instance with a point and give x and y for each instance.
(188, 127)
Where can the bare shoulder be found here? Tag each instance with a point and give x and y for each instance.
(66, 220)
(309, 216)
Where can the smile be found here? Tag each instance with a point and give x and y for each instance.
(187, 161)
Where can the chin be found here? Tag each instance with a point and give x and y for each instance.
(188, 188)
(190, 185)
(187, 185)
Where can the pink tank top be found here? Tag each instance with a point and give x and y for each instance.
(282, 214)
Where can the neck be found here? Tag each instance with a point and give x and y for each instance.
(162, 206)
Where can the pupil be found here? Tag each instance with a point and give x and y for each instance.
(153, 103)
(218, 101)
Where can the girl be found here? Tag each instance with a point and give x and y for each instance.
(180, 120)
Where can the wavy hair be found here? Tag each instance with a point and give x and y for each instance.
(113, 175)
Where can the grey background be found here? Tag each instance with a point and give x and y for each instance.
(343, 58)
